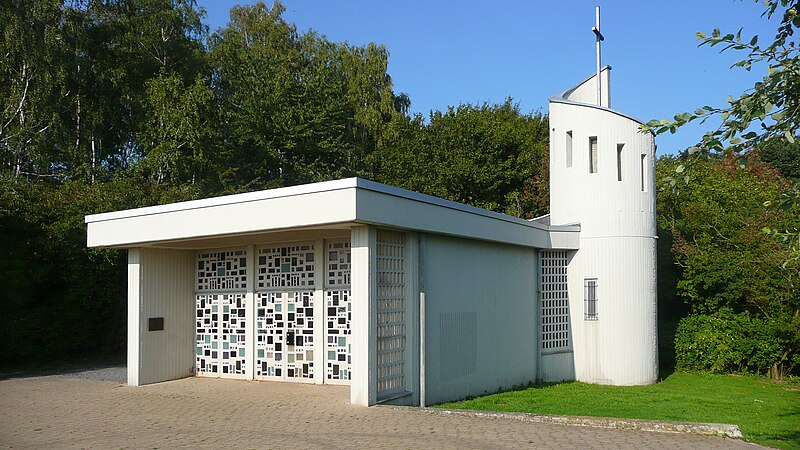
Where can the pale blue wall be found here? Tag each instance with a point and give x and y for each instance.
(481, 316)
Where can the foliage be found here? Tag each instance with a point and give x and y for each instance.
(773, 104)
(765, 411)
(175, 134)
(489, 156)
(716, 219)
(783, 156)
(31, 47)
(295, 108)
(725, 342)
(74, 77)
(60, 298)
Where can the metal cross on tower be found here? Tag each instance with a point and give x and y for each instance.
(598, 38)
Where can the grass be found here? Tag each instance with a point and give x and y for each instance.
(766, 412)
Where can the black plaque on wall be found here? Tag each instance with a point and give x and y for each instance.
(155, 324)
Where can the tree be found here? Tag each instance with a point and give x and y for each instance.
(490, 156)
(784, 156)
(174, 136)
(732, 273)
(295, 108)
(30, 85)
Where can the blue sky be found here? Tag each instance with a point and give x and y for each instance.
(443, 53)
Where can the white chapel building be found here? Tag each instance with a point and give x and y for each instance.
(407, 298)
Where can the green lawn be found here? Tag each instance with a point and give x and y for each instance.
(767, 412)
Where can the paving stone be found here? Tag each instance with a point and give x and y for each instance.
(64, 412)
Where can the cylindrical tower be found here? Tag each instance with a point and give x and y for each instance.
(602, 177)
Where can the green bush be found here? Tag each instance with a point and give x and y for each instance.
(61, 299)
(725, 341)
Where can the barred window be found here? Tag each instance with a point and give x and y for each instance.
(590, 299)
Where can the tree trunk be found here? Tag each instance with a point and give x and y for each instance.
(95, 148)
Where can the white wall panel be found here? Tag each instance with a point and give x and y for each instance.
(161, 284)
(480, 318)
(317, 208)
(557, 367)
(586, 91)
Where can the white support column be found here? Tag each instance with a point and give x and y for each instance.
(363, 385)
(320, 339)
(134, 314)
(422, 349)
(250, 319)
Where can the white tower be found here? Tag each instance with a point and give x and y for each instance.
(602, 177)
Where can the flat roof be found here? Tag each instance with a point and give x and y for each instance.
(347, 201)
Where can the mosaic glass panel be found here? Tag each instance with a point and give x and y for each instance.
(285, 334)
(337, 357)
(390, 267)
(286, 266)
(270, 326)
(232, 344)
(338, 264)
(207, 340)
(554, 301)
(300, 334)
(221, 270)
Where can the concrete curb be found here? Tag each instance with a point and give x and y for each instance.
(708, 429)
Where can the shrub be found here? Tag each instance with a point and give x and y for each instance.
(725, 341)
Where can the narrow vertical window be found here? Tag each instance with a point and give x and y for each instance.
(569, 148)
(619, 161)
(593, 154)
(590, 299)
(644, 173)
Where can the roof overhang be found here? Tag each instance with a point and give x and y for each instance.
(327, 207)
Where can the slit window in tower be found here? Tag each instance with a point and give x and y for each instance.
(644, 173)
(593, 154)
(590, 299)
(619, 161)
(569, 148)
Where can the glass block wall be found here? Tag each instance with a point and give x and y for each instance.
(391, 342)
(554, 300)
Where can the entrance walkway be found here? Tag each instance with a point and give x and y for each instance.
(65, 411)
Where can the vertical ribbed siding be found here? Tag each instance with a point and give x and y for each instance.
(166, 289)
(363, 324)
(391, 339)
(618, 232)
(481, 309)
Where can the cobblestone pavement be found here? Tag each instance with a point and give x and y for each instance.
(75, 412)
